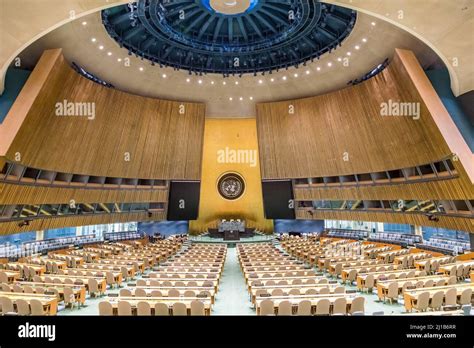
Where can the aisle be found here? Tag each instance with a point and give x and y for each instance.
(232, 297)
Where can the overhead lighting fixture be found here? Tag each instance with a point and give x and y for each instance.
(212, 82)
(164, 76)
(119, 59)
(141, 68)
(241, 98)
(93, 39)
(188, 80)
(357, 47)
(230, 98)
(200, 82)
(348, 53)
(329, 64)
(101, 47)
(295, 75)
(272, 79)
(109, 53)
(251, 98)
(84, 23)
(260, 81)
(307, 72)
(318, 68)
(373, 23)
(364, 40)
(339, 59)
(236, 82)
(284, 78)
(224, 83)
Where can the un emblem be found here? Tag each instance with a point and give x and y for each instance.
(231, 186)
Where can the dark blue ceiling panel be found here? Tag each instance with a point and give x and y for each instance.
(267, 36)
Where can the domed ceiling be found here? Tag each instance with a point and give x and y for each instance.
(228, 36)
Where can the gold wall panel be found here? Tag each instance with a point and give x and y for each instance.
(230, 134)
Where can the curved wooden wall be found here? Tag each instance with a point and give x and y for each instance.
(343, 133)
(162, 142)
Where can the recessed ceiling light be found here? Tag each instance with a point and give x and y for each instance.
(260, 81)
(224, 83)
(348, 53)
(373, 23)
(212, 82)
(141, 69)
(357, 47)
(295, 75)
(230, 98)
(364, 40)
(272, 79)
(200, 82)
(318, 68)
(164, 76)
(93, 39)
(84, 23)
(251, 98)
(339, 59)
(284, 78)
(236, 82)
(307, 72)
(329, 64)
(119, 59)
(101, 47)
(188, 80)
(241, 98)
(109, 53)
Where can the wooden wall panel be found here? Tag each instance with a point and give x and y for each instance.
(312, 142)
(162, 142)
(27, 194)
(81, 220)
(449, 222)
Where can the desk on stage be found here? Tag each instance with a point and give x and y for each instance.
(231, 230)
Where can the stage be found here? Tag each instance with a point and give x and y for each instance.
(257, 238)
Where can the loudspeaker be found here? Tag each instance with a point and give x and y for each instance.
(183, 202)
(278, 200)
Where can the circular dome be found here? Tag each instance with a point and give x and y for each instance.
(228, 36)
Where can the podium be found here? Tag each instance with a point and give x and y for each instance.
(231, 235)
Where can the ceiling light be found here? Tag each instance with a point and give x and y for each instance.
(224, 83)
(307, 72)
(260, 81)
(188, 80)
(212, 82)
(284, 78)
(200, 82)
(339, 59)
(241, 98)
(109, 53)
(329, 64)
(348, 53)
(364, 40)
(230, 98)
(84, 23)
(141, 69)
(357, 47)
(236, 82)
(93, 39)
(251, 98)
(119, 59)
(295, 75)
(164, 76)
(101, 47)
(373, 23)
(272, 79)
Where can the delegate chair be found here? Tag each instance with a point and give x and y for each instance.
(23, 307)
(105, 308)
(392, 293)
(161, 309)
(143, 308)
(179, 309)
(340, 306)
(450, 297)
(267, 307)
(7, 305)
(124, 308)
(36, 307)
(197, 308)
(422, 301)
(139, 292)
(285, 308)
(322, 307)
(437, 300)
(304, 308)
(357, 305)
(466, 297)
(125, 292)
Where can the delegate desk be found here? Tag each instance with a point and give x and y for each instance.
(137, 265)
(78, 290)
(169, 301)
(446, 268)
(421, 264)
(411, 296)
(49, 302)
(287, 288)
(165, 283)
(102, 284)
(382, 285)
(12, 276)
(384, 267)
(314, 299)
(361, 277)
(150, 291)
(118, 277)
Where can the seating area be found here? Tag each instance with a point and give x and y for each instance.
(185, 284)
(448, 245)
(403, 239)
(71, 279)
(348, 234)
